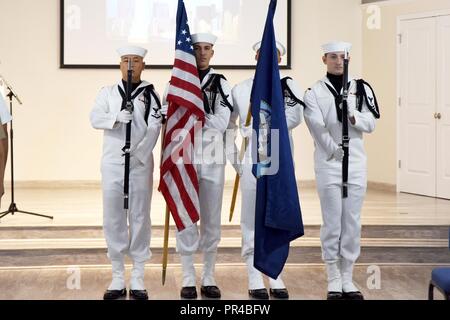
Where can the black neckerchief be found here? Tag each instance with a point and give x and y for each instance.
(133, 85)
(202, 73)
(336, 81)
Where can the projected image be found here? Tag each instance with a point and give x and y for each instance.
(141, 21)
(93, 29)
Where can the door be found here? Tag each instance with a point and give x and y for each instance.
(418, 107)
(443, 107)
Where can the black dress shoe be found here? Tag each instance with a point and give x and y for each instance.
(279, 293)
(188, 293)
(211, 292)
(334, 295)
(138, 294)
(260, 294)
(114, 294)
(355, 295)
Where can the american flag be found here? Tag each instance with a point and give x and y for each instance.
(179, 183)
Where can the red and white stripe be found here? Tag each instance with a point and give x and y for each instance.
(179, 183)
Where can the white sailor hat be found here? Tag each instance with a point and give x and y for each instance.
(204, 37)
(281, 48)
(336, 46)
(132, 51)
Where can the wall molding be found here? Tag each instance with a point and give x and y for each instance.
(384, 3)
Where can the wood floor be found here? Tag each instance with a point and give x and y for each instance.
(403, 238)
(83, 207)
(305, 282)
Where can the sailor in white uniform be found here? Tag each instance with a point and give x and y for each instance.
(210, 172)
(294, 116)
(128, 235)
(341, 229)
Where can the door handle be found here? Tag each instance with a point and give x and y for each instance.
(439, 116)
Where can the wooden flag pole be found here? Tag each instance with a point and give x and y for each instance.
(166, 245)
(244, 147)
(166, 219)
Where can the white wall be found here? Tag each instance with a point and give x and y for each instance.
(53, 137)
(380, 69)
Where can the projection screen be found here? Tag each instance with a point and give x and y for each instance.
(92, 30)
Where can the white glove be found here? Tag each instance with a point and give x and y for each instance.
(124, 116)
(164, 109)
(338, 155)
(238, 168)
(246, 132)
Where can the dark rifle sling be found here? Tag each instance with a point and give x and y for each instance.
(127, 103)
(345, 136)
(342, 114)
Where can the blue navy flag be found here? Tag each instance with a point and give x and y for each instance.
(278, 217)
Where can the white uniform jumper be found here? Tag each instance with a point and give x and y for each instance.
(294, 116)
(211, 176)
(341, 229)
(5, 116)
(121, 239)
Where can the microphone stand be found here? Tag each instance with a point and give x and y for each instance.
(13, 207)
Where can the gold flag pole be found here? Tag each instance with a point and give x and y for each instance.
(166, 245)
(244, 147)
(166, 219)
